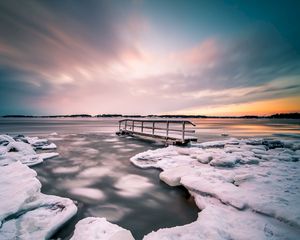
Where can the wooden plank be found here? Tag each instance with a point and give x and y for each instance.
(157, 136)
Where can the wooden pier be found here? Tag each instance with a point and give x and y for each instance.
(175, 131)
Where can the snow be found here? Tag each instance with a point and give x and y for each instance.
(21, 148)
(92, 228)
(246, 189)
(26, 213)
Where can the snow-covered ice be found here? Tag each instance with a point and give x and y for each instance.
(21, 148)
(246, 189)
(92, 228)
(26, 213)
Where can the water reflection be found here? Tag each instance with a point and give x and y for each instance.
(133, 185)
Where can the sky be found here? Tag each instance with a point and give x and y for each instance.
(226, 57)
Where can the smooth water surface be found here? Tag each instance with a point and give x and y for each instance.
(95, 171)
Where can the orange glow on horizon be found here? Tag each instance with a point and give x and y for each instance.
(259, 108)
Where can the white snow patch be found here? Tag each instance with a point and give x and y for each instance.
(26, 213)
(23, 149)
(92, 228)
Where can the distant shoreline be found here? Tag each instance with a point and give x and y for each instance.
(274, 116)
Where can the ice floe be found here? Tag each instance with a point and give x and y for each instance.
(246, 189)
(26, 213)
(21, 148)
(92, 228)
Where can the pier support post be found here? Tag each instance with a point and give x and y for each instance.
(167, 133)
(183, 131)
(153, 125)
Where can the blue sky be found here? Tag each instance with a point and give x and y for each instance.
(149, 57)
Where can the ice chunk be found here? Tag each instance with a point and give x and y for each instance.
(204, 158)
(5, 140)
(20, 149)
(46, 156)
(26, 213)
(48, 146)
(172, 176)
(39, 222)
(92, 228)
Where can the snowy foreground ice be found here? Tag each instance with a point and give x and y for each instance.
(92, 228)
(21, 148)
(26, 213)
(245, 189)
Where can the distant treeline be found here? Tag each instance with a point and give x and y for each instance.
(50, 116)
(277, 116)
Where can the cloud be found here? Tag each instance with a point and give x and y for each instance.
(57, 37)
(65, 57)
(212, 72)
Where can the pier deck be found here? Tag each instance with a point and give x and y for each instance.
(175, 131)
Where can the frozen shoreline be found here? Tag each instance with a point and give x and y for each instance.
(245, 189)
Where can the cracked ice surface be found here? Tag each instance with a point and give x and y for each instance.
(26, 213)
(21, 148)
(92, 228)
(246, 189)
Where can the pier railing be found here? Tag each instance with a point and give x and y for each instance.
(176, 130)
